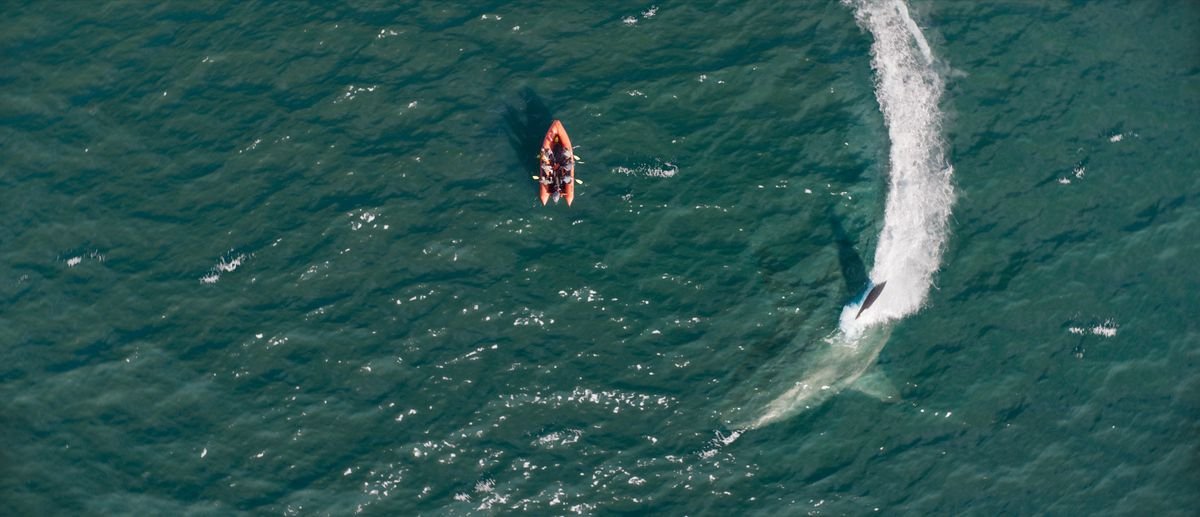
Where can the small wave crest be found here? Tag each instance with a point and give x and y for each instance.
(654, 170)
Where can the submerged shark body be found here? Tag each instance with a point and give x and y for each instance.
(841, 364)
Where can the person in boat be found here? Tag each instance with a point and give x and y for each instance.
(565, 171)
(559, 155)
(547, 169)
(556, 186)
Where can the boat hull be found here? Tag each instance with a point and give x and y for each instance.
(549, 143)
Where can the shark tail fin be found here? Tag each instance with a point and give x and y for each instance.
(878, 386)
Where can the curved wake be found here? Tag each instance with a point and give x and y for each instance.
(919, 191)
(916, 213)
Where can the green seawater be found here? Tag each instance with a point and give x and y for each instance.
(286, 258)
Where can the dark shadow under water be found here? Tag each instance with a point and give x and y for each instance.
(527, 125)
(854, 271)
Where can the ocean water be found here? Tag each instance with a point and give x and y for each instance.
(287, 258)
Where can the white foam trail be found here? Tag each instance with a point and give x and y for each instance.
(918, 36)
(919, 192)
(915, 216)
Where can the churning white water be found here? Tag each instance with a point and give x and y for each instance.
(914, 228)
(919, 191)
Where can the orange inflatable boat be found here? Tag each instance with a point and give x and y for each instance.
(556, 162)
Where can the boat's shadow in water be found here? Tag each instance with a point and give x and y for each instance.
(527, 123)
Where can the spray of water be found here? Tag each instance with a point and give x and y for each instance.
(918, 207)
(920, 194)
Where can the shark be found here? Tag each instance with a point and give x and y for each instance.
(914, 233)
(843, 362)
